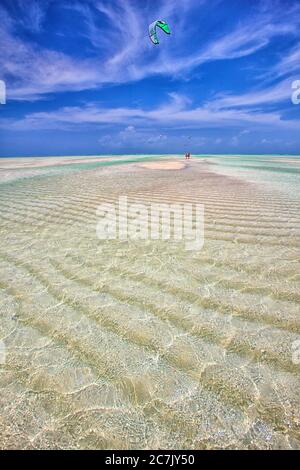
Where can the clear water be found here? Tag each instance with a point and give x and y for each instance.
(130, 345)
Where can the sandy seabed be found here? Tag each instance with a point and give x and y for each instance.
(143, 344)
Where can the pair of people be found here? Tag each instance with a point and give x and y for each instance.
(187, 156)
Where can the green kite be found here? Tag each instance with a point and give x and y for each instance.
(153, 30)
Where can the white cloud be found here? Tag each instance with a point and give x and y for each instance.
(177, 112)
(289, 64)
(268, 95)
(122, 52)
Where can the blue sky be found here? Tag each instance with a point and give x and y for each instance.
(83, 78)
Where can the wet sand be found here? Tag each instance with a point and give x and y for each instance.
(142, 344)
(163, 165)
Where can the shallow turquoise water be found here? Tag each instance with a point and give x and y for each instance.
(137, 344)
